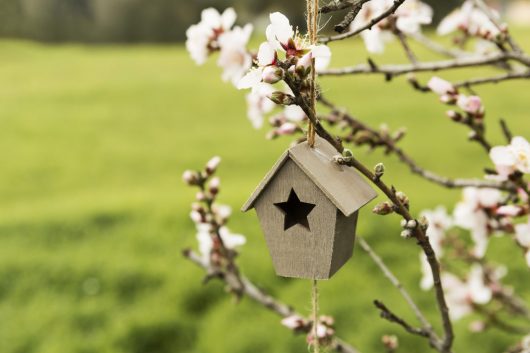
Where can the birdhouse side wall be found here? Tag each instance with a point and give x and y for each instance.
(345, 228)
(297, 252)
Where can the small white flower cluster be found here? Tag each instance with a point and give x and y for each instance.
(324, 331)
(514, 158)
(210, 218)
(471, 105)
(470, 20)
(482, 212)
(408, 19)
(215, 32)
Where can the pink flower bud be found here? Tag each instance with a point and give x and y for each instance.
(287, 129)
(200, 196)
(455, 116)
(281, 98)
(471, 105)
(190, 177)
(272, 74)
(477, 326)
(196, 217)
(509, 210)
(214, 185)
(293, 322)
(440, 86)
(305, 61)
(212, 164)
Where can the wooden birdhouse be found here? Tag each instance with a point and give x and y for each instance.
(308, 207)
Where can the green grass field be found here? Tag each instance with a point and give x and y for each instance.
(93, 213)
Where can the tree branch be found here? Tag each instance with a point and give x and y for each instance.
(391, 147)
(259, 296)
(426, 325)
(390, 316)
(369, 25)
(396, 70)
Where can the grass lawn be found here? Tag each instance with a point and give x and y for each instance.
(93, 213)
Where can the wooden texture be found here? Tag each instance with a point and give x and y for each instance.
(342, 185)
(298, 251)
(317, 244)
(343, 241)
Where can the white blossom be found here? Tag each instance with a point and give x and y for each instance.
(461, 295)
(234, 57)
(469, 214)
(266, 58)
(472, 104)
(522, 235)
(509, 210)
(410, 16)
(293, 322)
(440, 86)
(223, 211)
(213, 163)
(470, 19)
(427, 281)
(259, 104)
(282, 37)
(439, 222)
(511, 158)
(204, 238)
(294, 113)
(202, 37)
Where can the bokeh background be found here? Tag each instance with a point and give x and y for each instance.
(101, 110)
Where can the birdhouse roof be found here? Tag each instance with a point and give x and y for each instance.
(341, 184)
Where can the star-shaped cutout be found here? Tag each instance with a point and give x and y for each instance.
(295, 211)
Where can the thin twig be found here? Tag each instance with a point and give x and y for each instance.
(436, 47)
(387, 314)
(418, 233)
(261, 297)
(493, 79)
(495, 20)
(400, 69)
(423, 241)
(391, 147)
(369, 25)
(426, 325)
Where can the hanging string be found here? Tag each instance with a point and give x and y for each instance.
(314, 314)
(312, 7)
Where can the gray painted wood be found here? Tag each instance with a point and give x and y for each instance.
(344, 187)
(337, 193)
(297, 252)
(344, 240)
(341, 184)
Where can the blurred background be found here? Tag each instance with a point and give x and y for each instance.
(93, 214)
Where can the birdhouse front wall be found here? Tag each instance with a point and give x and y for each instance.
(298, 221)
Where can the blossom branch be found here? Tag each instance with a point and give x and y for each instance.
(494, 79)
(261, 297)
(373, 22)
(379, 139)
(400, 69)
(418, 232)
(487, 11)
